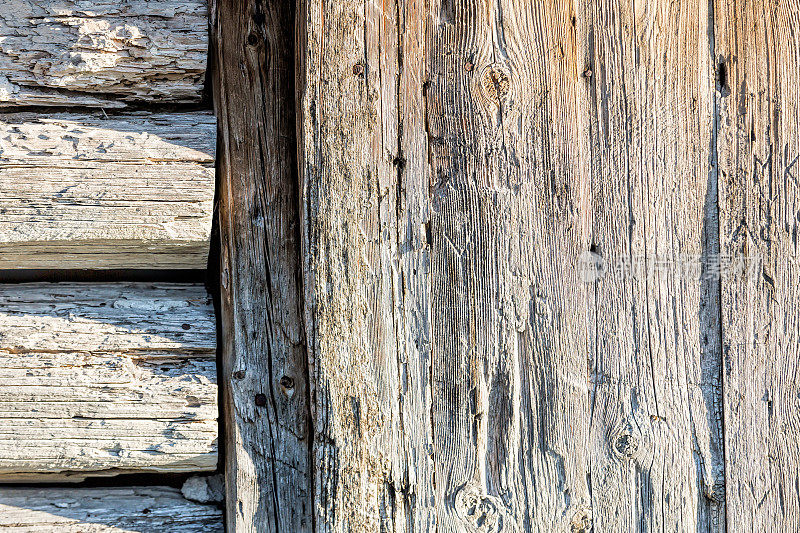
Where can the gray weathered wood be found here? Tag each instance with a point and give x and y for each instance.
(365, 209)
(458, 163)
(89, 191)
(443, 213)
(101, 379)
(102, 53)
(106, 510)
(646, 115)
(265, 397)
(759, 116)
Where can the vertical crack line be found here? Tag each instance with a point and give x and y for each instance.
(712, 245)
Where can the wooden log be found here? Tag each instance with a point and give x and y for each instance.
(759, 195)
(264, 375)
(102, 379)
(95, 192)
(102, 53)
(646, 118)
(96, 510)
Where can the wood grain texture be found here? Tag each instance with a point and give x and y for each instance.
(758, 71)
(102, 379)
(365, 208)
(442, 218)
(102, 53)
(265, 396)
(94, 192)
(647, 113)
(104, 510)
(508, 222)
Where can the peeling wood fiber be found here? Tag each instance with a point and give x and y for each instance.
(94, 192)
(104, 510)
(103, 379)
(548, 258)
(102, 53)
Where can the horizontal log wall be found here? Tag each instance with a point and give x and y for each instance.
(100, 379)
(104, 510)
(90, 191)
(106, 53)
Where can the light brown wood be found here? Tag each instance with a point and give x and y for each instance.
(365, 210)
(646, 118)
(104, 510)
(96, 192)
(265, 396)
(102, 379)
(443, 214)
(458, 162)
(759, 197)
(102, 53)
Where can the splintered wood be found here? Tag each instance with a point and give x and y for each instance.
(93, 192)
(104, 510)
(101, 379)
(102, 53)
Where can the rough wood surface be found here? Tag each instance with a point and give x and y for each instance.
(265, 397)
(102, 53)
(101, 379)
(458, 161)
(96, 192)
(365, 209)
(104, 510)
(759, 115)
(646, 118)
(442, 219)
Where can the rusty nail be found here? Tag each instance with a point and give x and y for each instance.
(261, 399)
(358, 69)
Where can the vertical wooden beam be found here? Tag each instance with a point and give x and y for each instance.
(647, 116)
(443, 217)
(758, 70)
(509, 310)
(365, 208)
(264, 374)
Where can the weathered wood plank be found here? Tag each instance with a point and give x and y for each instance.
(759, 116)
(265, 396)
(365, 207)
(442, 214)
(508, 223)
(647, 111)
(101, 379)
(130, 509)
(95, 192)
(102, 53)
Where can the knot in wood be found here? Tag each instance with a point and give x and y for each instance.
(287, 382)
(496, 83)
(626, 445)
(358, 69)
(239, 374)
(581, 521)
(480, 510)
